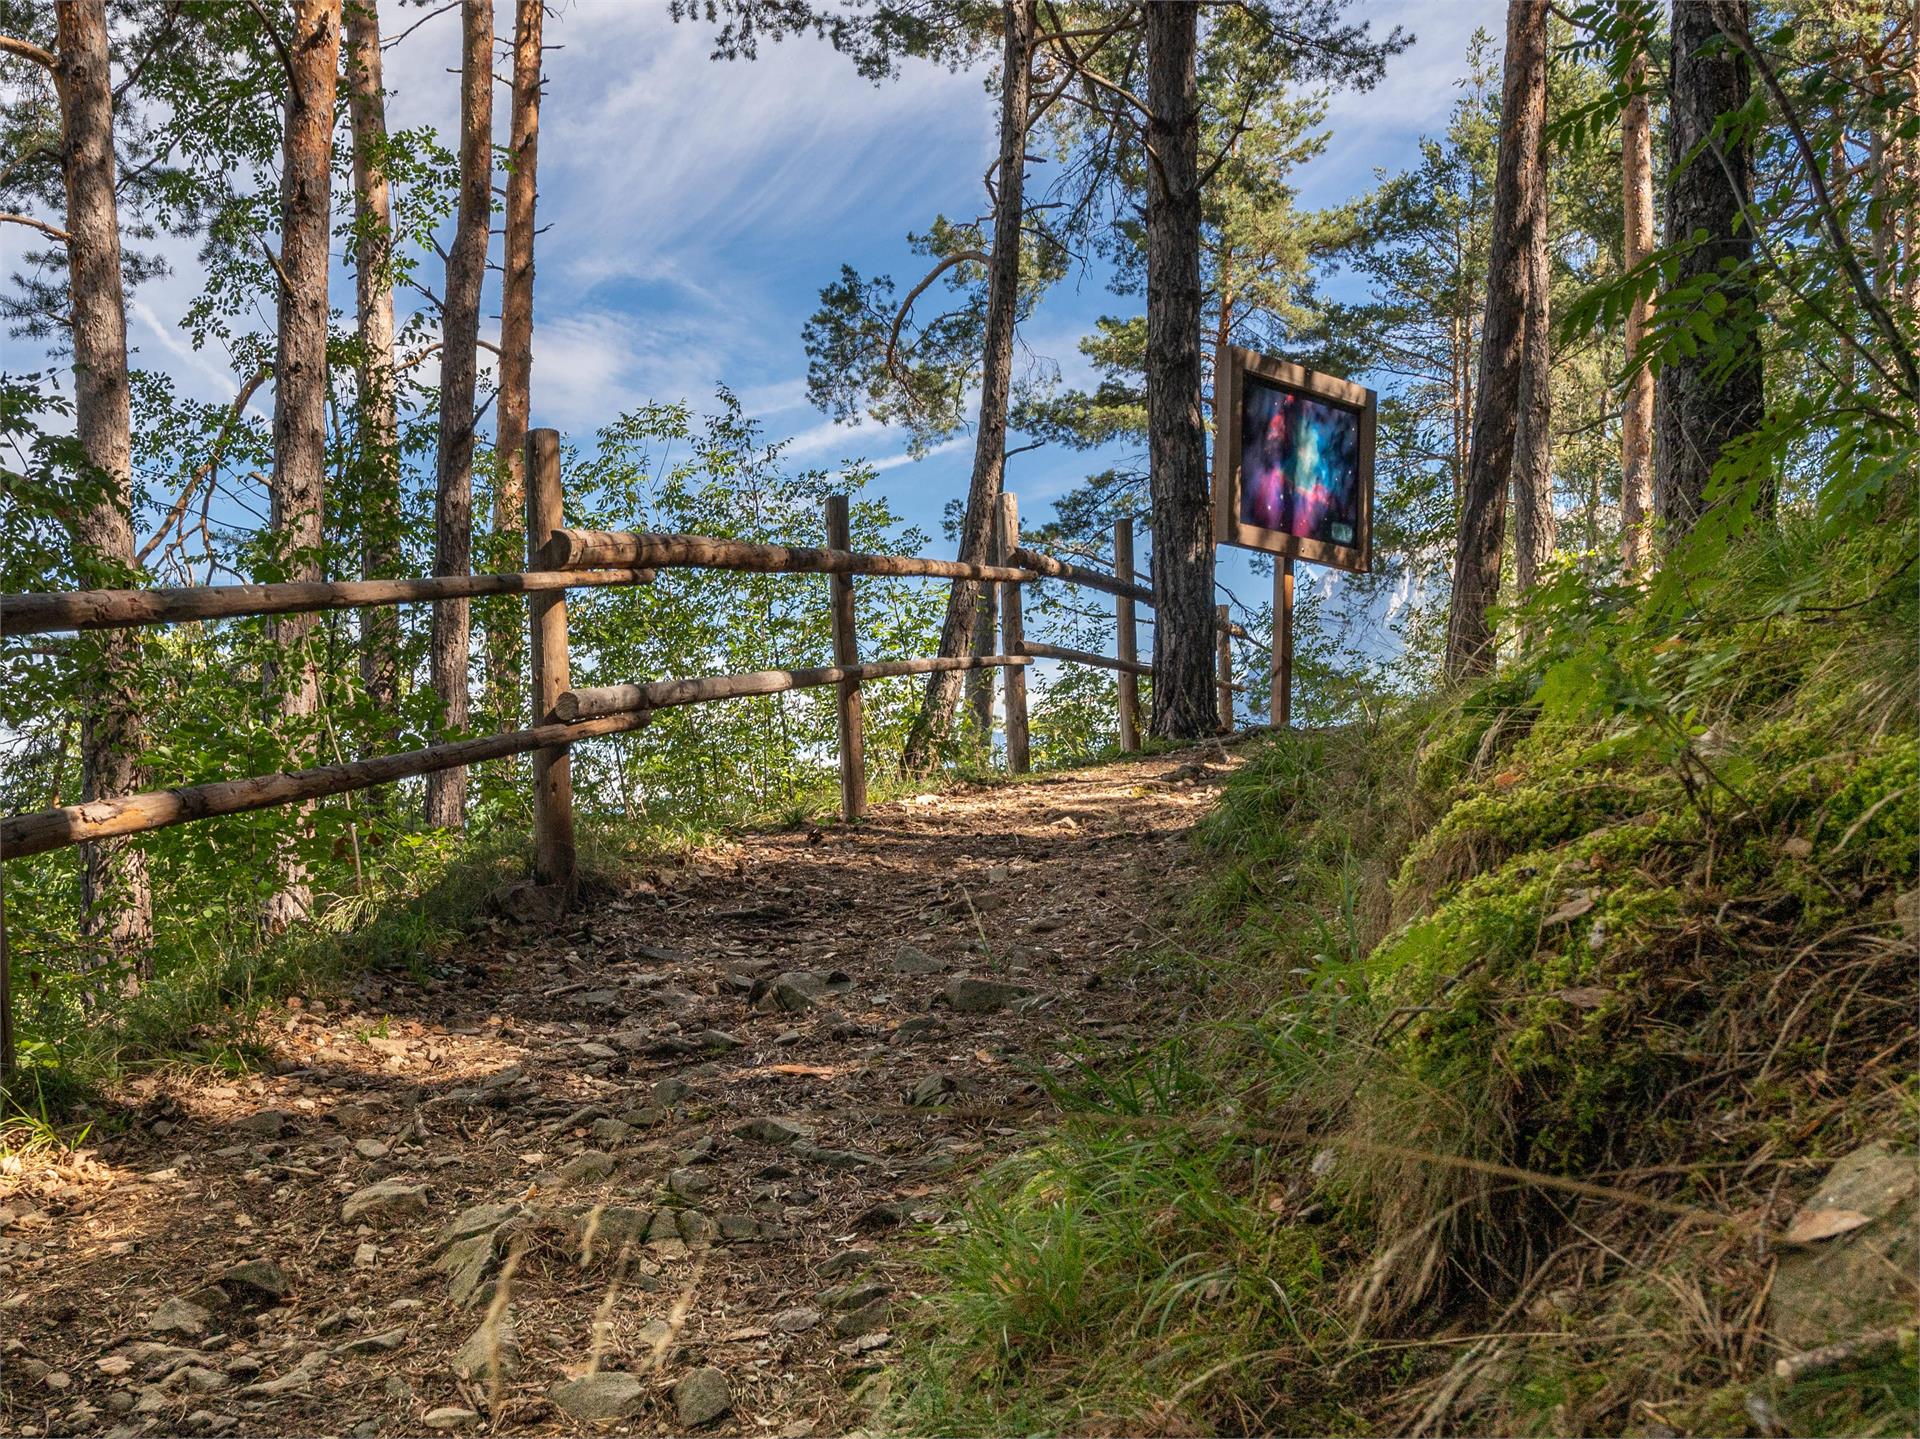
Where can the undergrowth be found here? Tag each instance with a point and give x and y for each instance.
(1530, 1014)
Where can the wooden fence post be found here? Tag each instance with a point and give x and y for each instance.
(6, 999)
(1126, 637)
(1282, 697)
(1012, 635)
(1223, 668)
(553, 839)
(846, 651)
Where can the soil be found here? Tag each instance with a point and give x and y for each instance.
(694, 1165)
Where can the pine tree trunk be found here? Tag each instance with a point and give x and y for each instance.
(504, 665)
(459, 354)
(116, 903)
(1533, 520)
(373, 297)
(934, 724)
(300, 386)
(1184, 706)
(1636, 419)
(1701, 403)
(1503, 335)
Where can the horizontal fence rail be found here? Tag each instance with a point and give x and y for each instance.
(26, 614)
(1084, 657)
(560, 559)
(25, 834)
(662, 694)
(594, 549)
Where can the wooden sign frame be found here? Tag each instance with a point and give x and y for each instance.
(1231, 368)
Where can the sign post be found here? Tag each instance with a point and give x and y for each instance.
(1293, 476)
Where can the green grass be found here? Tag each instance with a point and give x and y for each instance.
(1623, 915)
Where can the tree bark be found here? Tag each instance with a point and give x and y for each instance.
(300, 384)
(1533, 519)
(1503, 335)
(373, 296)
(116, 902)
(1184, 706)
(1636, 419)
(504, 665)
(460, 329)
(1702, 402)
(935, 721)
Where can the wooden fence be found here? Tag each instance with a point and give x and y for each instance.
(560, 559)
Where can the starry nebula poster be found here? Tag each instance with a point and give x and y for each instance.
(1299, 465)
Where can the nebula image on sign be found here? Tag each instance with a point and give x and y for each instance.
(1299, 465)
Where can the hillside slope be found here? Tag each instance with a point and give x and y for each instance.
(1541, 1021)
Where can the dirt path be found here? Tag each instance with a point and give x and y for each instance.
(618, 1145)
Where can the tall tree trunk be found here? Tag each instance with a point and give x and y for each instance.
(116, 902)
(504, 665)
(1701, 403)
(1533, 521)
(1503, 335)
(300, 383)
(1636, 419)
(373, 296)
(935, 721)
(1184, 706)
(459, 353)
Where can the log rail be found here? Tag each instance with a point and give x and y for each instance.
(558, 560)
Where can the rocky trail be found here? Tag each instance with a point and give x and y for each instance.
(659, 1165)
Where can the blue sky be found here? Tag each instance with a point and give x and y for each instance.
(692, 210)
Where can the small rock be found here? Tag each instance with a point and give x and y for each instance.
(701, 1397)
(484, 1349)
(480, 1219)
(969, 995)
(599, 1398)
(179, 1316)
(383, 1343)
(371, 1148)
(854, 1296)
(838, 1158)
(716, 1039)
(655, 1334)
(587, 1166)
(689, 1183)
(592, 1049)
(1855, 1280)
(254, 1284)
(386, 1201)
(450, 1416)
(909, 960)
(797, 1320)
(771, 1130)
(669, 1092)
(611, 1132)
(267, 1123)
(864, 1320)
(935, 1089)
(846, 1260)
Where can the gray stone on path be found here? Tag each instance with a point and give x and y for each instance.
(935, 1089)
(383, 1343)
(587, 1166)
(254, 1284)
(689, 1183)
(449, 1417)
(479, 1219)
(385, 1202)
(864, 1320)
(701, 1397)
(266, 1123)
(599, 1398)
(484, 1348)
(796, 1320)
(180, 1316)
(910, 960)
(971, 995)
(769, 1129)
